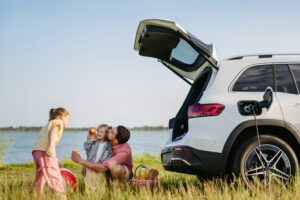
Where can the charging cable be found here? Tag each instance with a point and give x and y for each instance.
(258, 139)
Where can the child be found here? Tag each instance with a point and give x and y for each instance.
(44, 155)
(98, 149)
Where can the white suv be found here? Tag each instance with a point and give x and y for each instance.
(213, 134)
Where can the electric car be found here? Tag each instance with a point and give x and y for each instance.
(214, 132)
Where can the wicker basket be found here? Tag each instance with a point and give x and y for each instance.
(151, 181)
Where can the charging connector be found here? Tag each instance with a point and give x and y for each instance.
(246, 108)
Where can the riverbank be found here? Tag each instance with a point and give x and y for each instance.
(16, 182)
(20, 147)
(34, 129)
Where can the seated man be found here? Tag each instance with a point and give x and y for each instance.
(120, 164)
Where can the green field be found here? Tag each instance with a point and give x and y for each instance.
(16, 182)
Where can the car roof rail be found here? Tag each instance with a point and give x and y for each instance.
(262, 56)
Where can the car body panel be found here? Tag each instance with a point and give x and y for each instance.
(290, 104)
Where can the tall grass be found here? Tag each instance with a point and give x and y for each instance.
(16, 182)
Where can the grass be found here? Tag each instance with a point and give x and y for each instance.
(16, 182)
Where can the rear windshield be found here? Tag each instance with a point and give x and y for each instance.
(184, 53)
(167, 45)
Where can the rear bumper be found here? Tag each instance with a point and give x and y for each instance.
(189, 160)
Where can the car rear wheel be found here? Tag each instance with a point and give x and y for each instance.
(272, 162)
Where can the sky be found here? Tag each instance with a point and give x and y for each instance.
(79, 55)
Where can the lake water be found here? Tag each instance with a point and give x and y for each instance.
(21, 146)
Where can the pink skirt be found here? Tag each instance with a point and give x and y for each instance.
(47, 171)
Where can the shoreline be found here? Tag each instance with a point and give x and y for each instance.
(24, 129)
(37, 131)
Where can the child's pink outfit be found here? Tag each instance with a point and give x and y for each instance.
(47, 169)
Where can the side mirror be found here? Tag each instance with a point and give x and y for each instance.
(268, 98)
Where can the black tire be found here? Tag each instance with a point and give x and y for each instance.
(246, 161)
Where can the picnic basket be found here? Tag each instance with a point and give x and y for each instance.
(152, 178)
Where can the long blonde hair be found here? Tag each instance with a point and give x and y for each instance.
(56, 113)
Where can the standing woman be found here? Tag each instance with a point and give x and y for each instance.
(44, 155)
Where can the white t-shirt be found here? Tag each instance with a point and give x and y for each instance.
(99, 152)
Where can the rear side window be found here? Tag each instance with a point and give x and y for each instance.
(296, 72)
(255, 79)
(284, 80)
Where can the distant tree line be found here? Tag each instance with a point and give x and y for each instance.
(149, 128)
(21, 129)
(38, 128)
(34, 129)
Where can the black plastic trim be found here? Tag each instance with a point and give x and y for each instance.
(265, 56)
(202, 163)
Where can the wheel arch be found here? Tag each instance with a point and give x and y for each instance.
(247, 129)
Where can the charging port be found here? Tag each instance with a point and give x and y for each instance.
(245, 108)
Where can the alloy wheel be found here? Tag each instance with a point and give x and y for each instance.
(267, 163)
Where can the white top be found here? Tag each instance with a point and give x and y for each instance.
(99, 152)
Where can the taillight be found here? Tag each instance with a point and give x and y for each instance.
(178, 149)
(205, 110)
